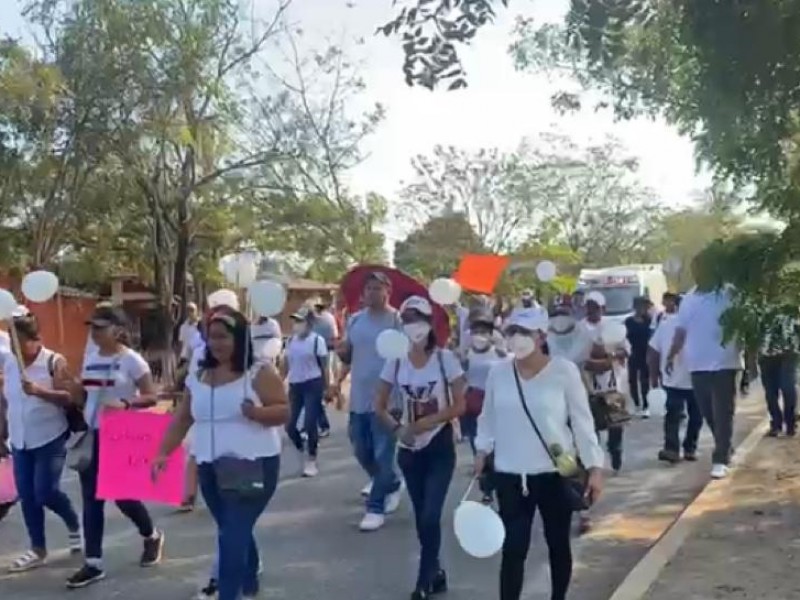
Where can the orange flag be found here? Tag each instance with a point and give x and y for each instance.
(480, 272)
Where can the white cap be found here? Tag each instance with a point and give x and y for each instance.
(20, 311)
(417, 303)
(596, 297)
(531, 319)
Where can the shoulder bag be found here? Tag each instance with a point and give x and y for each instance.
(243, 477)
(609, 408)
(575, 486)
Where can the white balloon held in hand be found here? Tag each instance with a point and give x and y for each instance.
(39, 286)
(479, 529)
(392, 344)
(273, 347)
(546, 271)
(657, 402)
(613, 333)
(267, 298)
(444, 291)
(8, 305)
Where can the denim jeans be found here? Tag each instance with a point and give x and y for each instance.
(374, 448)
(37, 472)
(428, 472)
(236, 517)
(677, 399)
(324, 423)
(469, 429)
(639, 382)
(779, 377)
(306, 397)
(94, 511)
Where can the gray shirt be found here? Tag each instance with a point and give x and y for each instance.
(363, 329)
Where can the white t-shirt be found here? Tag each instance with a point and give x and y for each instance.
(661, 342)
(303, 357)
(699, 316)
(260, 334)
(186, 337)
(108, 379)
(589, 334)
(5, 347)
(557, 400)
(90, 348)
(423, 390)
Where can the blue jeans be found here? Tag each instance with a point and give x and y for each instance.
(469, 429)
(779, 377)
(306, 397)
(374, 447)
(94, 518)
(428, 473)
(236, 517)
(37, 472)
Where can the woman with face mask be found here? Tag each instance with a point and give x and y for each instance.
(535, 391)
(305, 366)
(431, 383)
(115, 377)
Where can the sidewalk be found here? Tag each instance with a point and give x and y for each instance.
(745, 536)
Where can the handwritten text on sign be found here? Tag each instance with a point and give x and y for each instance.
(129, 441)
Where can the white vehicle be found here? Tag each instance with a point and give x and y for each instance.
(621, 285)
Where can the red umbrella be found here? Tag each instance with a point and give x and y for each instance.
(403, 286)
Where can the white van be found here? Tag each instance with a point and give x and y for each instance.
(621, 285)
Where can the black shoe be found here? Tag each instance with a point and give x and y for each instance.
(690, 455)
(774, 432)
(439, 585)
(420, 595)
(616, 462)
(153, 550)
(791, 432)
(669, 456)
(209, 592)
(87, 575)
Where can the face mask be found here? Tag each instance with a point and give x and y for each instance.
(417, 332)
(481, 342)
(527, 303)
(562, 324)
(521, 346)
(299, 328)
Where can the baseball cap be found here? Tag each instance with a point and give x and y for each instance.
(481, 315)
(417, 303)
(530, 319)
(304, 313)
(527, 294)
(596, 297)
(378, 276)
(107, 316)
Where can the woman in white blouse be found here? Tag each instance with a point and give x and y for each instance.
(236, 417)
(432, 385)
(526, 477)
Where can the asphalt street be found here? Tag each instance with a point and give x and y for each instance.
(311, 547)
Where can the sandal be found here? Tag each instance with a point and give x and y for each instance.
(26, 562)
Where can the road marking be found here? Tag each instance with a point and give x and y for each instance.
(642, 577)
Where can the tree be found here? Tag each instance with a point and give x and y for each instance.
(489, 187)
(436, 248)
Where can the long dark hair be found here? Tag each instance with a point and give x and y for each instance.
(237, 325)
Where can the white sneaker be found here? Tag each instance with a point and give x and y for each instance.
(366, 490)
(310, 469)
(371, 522)
(645, 413)
(392, 502)
(719, 471)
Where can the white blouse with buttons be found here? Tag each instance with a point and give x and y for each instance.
(557, 400)
(220, 428)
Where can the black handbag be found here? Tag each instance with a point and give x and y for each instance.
(609, 408)
(575, 486)
(241, 476)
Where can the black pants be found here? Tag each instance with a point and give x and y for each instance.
(779, 377)
(677, 399)
(517, 510)
(715, 392)
(427, 473)
(639, 382)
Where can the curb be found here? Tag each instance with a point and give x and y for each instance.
(642, 577)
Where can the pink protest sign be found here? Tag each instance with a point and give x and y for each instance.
(129, 441)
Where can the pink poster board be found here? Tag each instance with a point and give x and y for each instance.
(129, 441)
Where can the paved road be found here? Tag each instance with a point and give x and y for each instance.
(311, 547)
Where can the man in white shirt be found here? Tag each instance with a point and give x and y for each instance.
(188, 331)
(698, 335)
(678, 386)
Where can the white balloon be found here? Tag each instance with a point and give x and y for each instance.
(39, 286)
(267, 298)
(273, 347)
(546, 271)
(444, 291)
(392, 344)
(223, 298)
(657, 401)
(240, 270)
(479, 529)
(8, 305)
(613, 333)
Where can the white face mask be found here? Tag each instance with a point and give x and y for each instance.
(562, 324)
(417, 332)
(481, 341)
(521, 346)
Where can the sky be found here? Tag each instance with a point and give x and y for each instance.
(498, 109)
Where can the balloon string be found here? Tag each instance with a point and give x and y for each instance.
(469, 489)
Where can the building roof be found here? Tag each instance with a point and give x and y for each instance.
(309, 285)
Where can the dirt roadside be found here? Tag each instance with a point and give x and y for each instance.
(745, 541)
